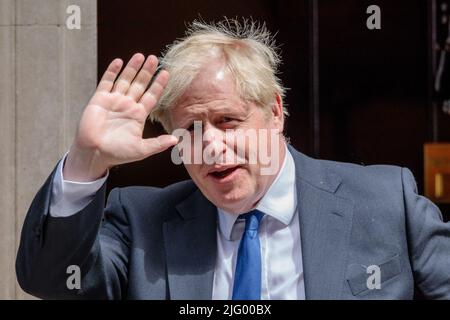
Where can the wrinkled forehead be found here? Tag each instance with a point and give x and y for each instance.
(213, 75)
(214, 81)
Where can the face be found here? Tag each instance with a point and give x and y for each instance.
(213, 101)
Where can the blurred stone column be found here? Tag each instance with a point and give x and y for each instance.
(48, 72)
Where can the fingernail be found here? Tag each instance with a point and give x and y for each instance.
(173, 139)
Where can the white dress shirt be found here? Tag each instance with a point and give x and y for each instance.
(69, 197)
(279, 233)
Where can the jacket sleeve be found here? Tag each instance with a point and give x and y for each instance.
(95, 241)
(428, 242)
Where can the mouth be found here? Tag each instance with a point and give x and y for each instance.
(223, 174)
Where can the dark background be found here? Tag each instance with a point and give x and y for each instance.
(356, 95)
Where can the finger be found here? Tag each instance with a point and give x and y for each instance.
(143, 78)
(123, 82)
(107, 81)
(152, 95)
(155, 145)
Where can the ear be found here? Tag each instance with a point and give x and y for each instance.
(277, 113)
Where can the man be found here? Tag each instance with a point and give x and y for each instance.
(243, 228)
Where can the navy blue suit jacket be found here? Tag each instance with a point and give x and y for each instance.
(160, 243)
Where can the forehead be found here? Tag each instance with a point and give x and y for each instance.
(213, 89)
(213, 78)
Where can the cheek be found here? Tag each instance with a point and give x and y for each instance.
(250, 177)
(194, 171)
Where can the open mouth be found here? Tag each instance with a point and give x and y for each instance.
(223, 173)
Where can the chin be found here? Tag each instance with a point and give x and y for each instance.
(232, 200)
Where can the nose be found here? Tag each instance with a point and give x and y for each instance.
(214, 146)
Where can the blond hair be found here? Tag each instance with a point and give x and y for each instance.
(249, 52)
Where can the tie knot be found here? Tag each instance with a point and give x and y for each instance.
(252, 220)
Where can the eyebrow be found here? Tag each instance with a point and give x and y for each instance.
(221, 109)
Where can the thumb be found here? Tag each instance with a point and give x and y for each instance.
(155, 145)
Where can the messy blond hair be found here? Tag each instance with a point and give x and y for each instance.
(248, 50)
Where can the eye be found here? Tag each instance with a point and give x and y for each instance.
(190, 127)
(227, 119)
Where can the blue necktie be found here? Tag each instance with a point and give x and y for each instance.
(247, 276)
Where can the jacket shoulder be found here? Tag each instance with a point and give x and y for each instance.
(346, 172)
(360, 171)
(369, 182)
(356, 181)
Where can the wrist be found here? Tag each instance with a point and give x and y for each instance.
(83, 165)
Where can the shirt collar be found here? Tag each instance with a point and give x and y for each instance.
(279, 202)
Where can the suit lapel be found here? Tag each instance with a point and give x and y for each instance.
(325, 225)
(190, 242)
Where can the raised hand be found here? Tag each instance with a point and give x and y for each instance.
(111, 127)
